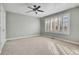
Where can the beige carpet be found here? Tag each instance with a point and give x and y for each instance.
(39, 46)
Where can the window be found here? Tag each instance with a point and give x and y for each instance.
(47, 25)
(57, 24)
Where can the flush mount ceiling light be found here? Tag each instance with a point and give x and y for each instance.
(35, 9)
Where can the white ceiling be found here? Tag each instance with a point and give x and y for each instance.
(49, 8)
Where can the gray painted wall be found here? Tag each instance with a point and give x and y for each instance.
(21, 25)
(2, 26)
(74, 25)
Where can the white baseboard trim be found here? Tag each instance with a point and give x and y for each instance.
(2, 45)
(62, 39)
(23, 37)
(70, 41)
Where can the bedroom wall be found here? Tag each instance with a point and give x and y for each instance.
(2, 26)
(21, 25)
(74, 25)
